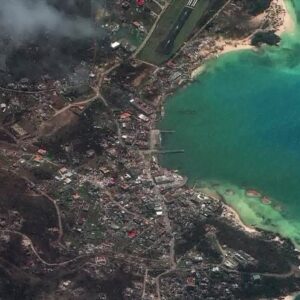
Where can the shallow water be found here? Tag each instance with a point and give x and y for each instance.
(239, 124)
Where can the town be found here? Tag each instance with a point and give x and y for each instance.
(87, 212)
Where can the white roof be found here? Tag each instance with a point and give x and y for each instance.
(115, 44)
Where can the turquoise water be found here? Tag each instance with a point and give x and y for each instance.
(239, 124)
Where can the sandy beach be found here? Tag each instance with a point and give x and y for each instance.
(291, 297)
(228, 45)
(235, 45)
(232, 215)
(288, 24)
(196, 72)
(229, 213)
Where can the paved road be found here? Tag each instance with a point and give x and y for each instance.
(140, 48)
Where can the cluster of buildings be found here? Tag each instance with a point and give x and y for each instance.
(131, 228)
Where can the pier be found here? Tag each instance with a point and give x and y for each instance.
(169, 151)
(155, 143)
(167, 131)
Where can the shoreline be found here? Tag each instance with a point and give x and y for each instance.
(225, 46)
(231, 45)
(229, 212)
(287, 25)
(232, 214)
(292, 296)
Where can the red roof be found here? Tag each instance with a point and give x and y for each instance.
(140, 2)
(132, 233)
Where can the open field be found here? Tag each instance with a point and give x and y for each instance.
(168, 20)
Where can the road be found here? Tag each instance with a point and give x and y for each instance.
(168, 227)
(139, 49)
(53, 201)
(97, 90)
(204, 26)
(135, 215)
(76, 105)
(30, 243)
(36, 91)
(144, 284)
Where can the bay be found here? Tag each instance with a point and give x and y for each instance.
(239, 124)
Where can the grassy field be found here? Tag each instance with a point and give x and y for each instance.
(165, 24)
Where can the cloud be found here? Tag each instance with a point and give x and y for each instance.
(23, 19)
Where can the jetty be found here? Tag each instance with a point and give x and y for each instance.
(169, 151)
(167, 131)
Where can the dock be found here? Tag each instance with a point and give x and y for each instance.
(170, 151)
(167, 131)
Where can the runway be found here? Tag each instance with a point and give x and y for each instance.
(167, 44)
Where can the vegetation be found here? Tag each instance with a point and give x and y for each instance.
(165, 24)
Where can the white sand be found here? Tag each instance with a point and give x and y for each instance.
(232, 215)
(288, 22)
(229, 213)
(196, 72)
(291, 297)
(288, 25)
(236, 45)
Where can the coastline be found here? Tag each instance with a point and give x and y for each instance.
(225, 46)
(118, 215)
(292, 296)
(285, 24)
(231, 214)
(288, 24)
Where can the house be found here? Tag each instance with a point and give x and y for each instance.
(115, 45)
